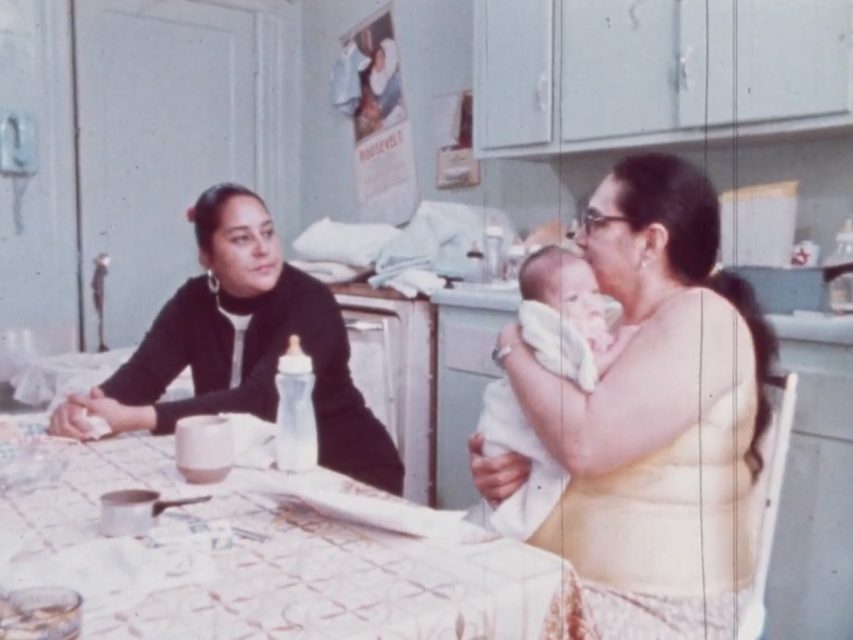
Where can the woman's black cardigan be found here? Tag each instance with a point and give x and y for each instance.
(190, 330)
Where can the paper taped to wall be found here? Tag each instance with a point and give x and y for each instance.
(758, 224)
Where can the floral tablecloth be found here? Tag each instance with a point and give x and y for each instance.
(305, 576)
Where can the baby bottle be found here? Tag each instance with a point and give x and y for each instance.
(296, 446)
(841, 287)
(494, 257)
(474, 272)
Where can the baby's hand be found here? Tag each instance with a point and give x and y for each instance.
(623, 336)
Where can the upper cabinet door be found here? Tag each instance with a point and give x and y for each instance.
(791, 60)
(513, 72)
(617, 68)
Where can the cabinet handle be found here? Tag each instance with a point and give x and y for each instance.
(363, 326)
(684, 69)
(543, 92)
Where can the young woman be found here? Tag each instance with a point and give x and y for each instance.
(230, 327)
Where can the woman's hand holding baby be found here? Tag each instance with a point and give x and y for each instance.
(499, 477)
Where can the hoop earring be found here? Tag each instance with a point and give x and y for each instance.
(212, 282)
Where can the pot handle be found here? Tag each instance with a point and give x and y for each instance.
(831, 273)
(161, 505)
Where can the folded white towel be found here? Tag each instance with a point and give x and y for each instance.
(327, 271)
(413, 281)
(354, 244)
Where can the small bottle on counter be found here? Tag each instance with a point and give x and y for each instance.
(494, 253)
(514, 259)
(296, 447)
(841, 286)
(475, 271)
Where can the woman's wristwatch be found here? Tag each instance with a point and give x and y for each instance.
(499, 353)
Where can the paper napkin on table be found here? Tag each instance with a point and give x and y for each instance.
(388, 513)
(111, 574)
(254, 440)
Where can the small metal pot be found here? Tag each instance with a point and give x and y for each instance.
(132, 512)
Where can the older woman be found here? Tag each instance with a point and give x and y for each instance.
(663, 452)
(230, 327)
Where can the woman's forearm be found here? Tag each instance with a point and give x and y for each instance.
(554, 406)
(145, 418)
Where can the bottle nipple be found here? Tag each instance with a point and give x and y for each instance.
(294, 346)
(295, 360)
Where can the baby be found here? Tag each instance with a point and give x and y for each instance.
(562, 317)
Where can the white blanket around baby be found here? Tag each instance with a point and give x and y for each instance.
(559, 347)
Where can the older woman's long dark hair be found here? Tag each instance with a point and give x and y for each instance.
(207, 212)
(668, 190)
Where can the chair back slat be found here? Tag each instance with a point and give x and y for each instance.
(774, 449)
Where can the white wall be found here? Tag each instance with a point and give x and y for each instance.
(436, 58)
(435, 42)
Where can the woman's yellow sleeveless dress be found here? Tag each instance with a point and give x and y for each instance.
(679, 523)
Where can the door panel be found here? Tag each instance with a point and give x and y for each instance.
(617, 69)
(38, 246)
(791, 60)
(166, 104)
(514, 104)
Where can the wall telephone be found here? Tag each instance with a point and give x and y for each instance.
(17, 143)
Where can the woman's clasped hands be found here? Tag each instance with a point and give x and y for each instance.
(92, 416)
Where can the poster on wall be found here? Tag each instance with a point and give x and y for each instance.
(384, 151)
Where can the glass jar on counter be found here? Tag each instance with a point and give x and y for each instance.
(514, 259)
(841, 286)
(494, 253)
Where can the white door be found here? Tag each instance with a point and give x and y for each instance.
(166, 107)
(38, 245)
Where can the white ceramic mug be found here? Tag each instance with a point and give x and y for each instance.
(204, 448)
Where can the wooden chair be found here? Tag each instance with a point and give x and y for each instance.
(774, 450)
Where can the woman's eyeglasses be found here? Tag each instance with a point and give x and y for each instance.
(592, 220)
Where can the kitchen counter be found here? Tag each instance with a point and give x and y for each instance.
(805, 326)
(814, 327)
(479, 298)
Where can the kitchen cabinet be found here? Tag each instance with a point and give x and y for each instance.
(811, 570)
(392, 363)
(466, 337)
(617, 68)
(627, 73)
(766, 61)
(513, 74)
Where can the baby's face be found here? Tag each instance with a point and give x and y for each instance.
(574, 292)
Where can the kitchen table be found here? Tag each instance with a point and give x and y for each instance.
(305, 575)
